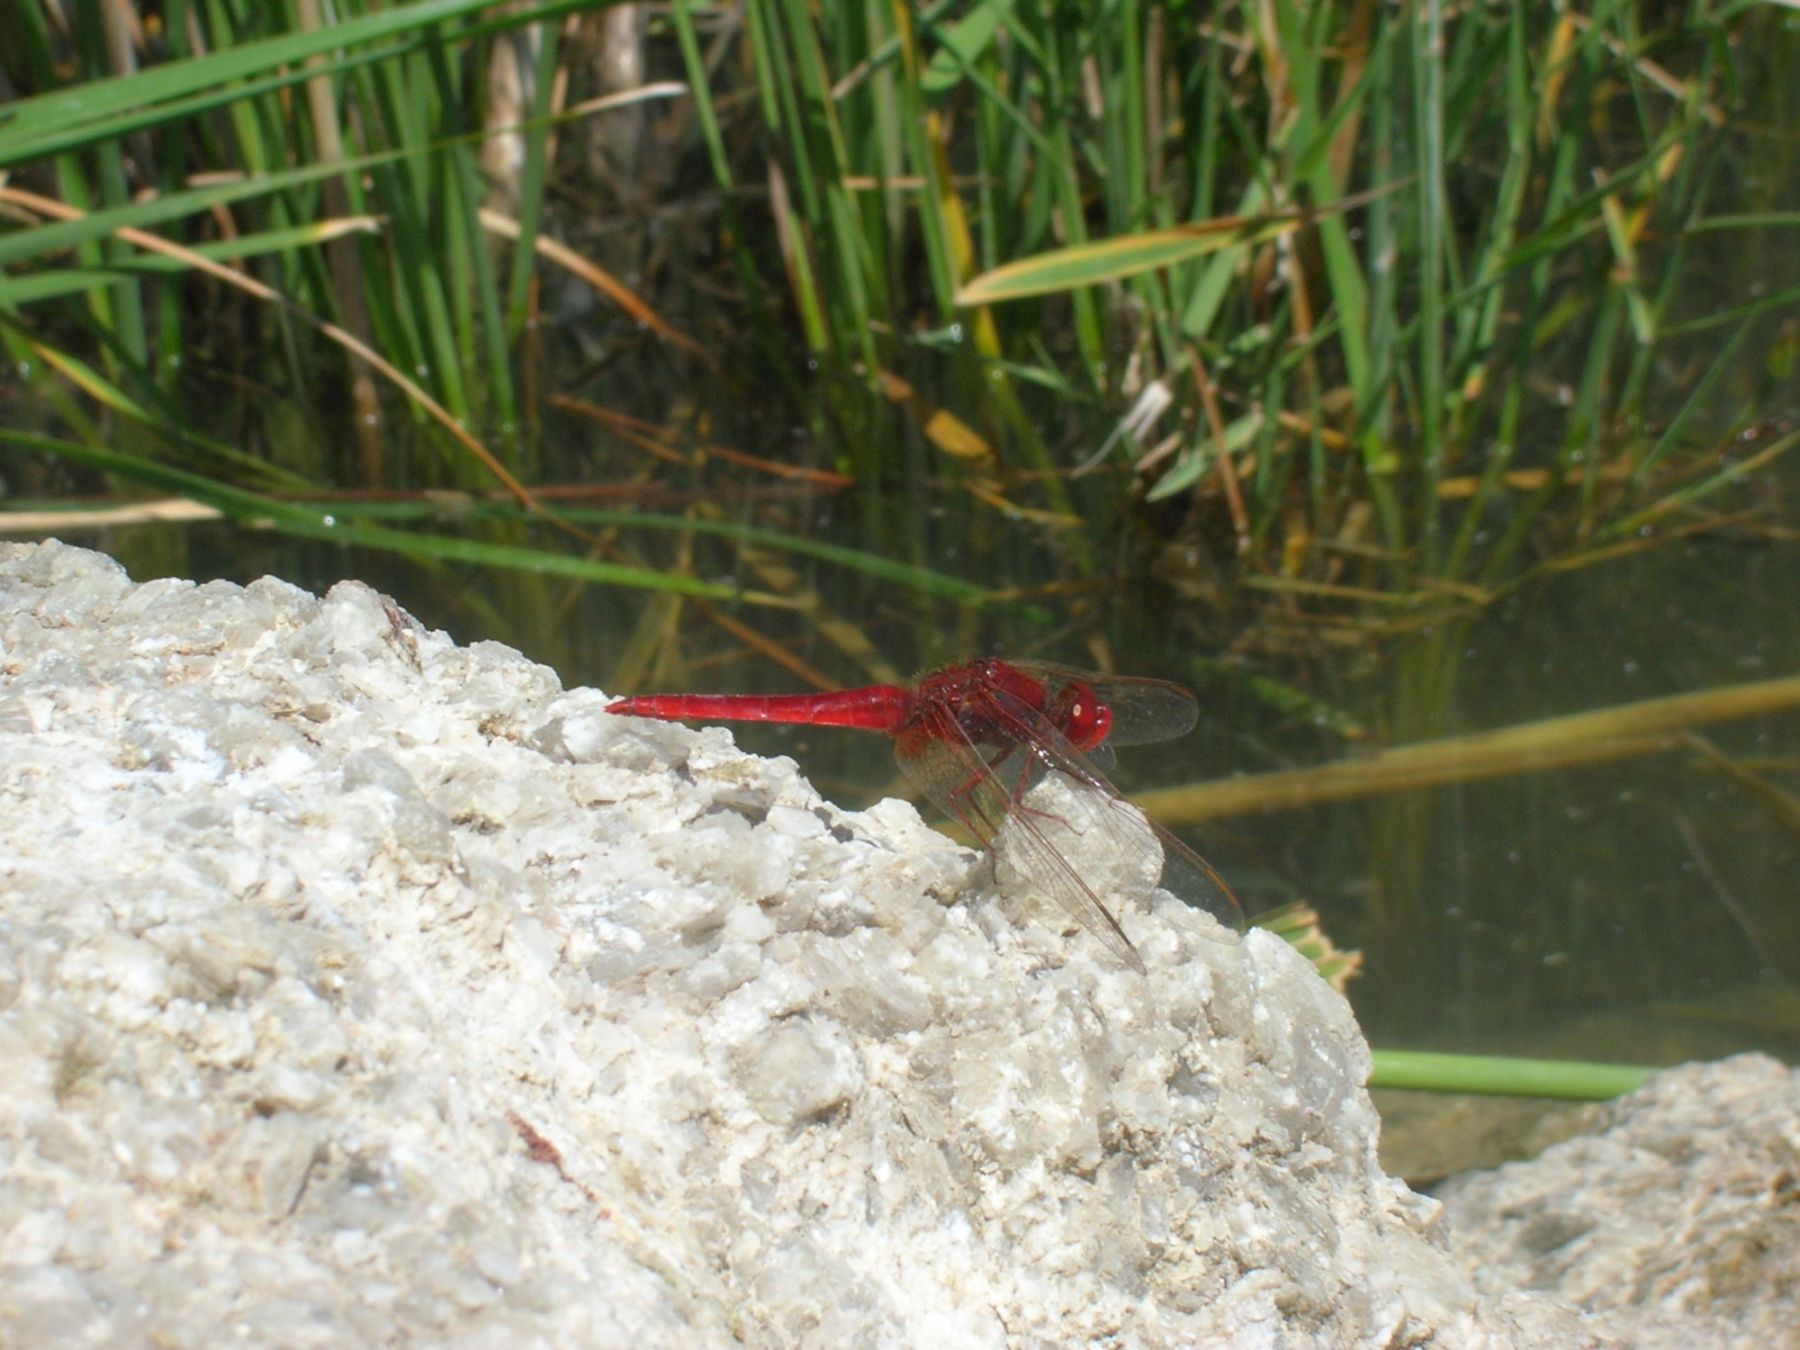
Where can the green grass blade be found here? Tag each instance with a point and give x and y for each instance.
(31, 127)
(1095, 264)
(253, 509)
(27, 288)
(1496, 1075)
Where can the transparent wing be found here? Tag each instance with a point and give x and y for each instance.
(983, 792)
(1072, 845)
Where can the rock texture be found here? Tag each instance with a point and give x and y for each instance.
(357, 987)
(1678, 1213)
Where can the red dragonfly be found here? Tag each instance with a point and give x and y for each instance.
(977, 738)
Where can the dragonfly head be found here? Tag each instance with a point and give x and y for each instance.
(1081, 716)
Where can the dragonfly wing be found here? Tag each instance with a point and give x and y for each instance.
(1117, 827)
(986, 788)
(957, 775)
(1192, 880)
(1049, 846)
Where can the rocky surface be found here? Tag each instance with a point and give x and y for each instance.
(1677, 1213)
(358, 987)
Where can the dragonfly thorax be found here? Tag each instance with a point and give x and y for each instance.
(976, 696)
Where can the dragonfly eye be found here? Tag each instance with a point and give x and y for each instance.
(1085, 719)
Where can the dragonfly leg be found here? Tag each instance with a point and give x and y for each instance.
(961, 798)
(1020, 808)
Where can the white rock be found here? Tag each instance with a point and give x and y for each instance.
(1677, 1214)
(357, 987)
